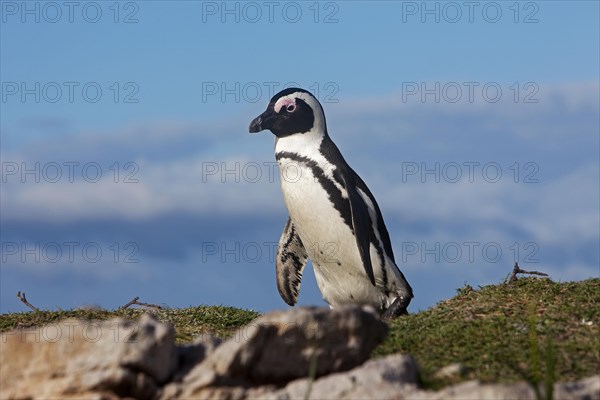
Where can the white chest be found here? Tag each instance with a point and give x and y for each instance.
(307, 185)
(308, 202)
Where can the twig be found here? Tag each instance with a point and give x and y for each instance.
(517, 270)
(21, 296)
(139, 303)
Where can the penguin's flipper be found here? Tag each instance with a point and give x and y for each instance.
(290, 261)
(361, 223)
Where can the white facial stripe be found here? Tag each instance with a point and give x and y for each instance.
(308, 99)
(284, 101)
(311, 101)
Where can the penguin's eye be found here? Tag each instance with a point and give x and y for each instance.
(291, 108)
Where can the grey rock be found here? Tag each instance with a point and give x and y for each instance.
(379, 379)
(173, 392)
(585, 389)
(278, 347)
(190, 355)
(451, 371)
(382, 378)
(87, 358)
(149, 347)
(475, 390)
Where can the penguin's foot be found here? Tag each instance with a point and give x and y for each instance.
(397, 308)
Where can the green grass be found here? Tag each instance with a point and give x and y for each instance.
(531, 329)
(493, 331)
(189, 322)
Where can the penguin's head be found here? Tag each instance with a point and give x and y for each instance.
(290, 112)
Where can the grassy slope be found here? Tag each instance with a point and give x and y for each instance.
(189, 322)
(501, 332)
(492, 331)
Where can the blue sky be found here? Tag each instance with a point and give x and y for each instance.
(407, 87)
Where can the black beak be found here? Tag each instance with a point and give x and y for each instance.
(263, 121)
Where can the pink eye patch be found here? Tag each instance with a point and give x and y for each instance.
(284, 102)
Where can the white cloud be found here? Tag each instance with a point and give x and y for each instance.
(189, 186)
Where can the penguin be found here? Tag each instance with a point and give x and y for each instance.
(334, 219)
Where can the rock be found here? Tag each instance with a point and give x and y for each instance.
(81, 358)
(455, 370)
(383, 378)
(278, 347)
(190, 355)
(585, 389)
(371, 381)
(173, 392)
(475, 390)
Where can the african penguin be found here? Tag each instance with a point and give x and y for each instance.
(333, 218)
